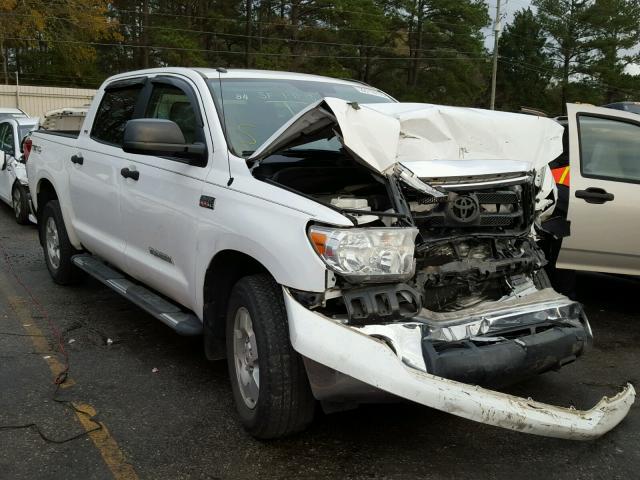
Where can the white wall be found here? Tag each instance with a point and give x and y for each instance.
(38, 100)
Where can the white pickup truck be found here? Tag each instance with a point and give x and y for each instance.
(334, 245)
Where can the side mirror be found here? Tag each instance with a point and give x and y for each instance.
(155, 136)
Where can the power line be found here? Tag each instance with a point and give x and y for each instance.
(234, 20)
(225, 52)
(240, 20)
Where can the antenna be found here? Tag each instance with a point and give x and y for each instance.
(220, 71)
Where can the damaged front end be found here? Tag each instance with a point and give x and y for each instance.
(439, 286)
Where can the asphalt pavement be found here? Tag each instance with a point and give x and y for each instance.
(145, 403)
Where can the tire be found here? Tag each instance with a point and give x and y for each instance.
(284, 403)
(20, 203)
(52, 231)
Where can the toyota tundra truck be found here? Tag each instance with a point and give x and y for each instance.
(334, 245)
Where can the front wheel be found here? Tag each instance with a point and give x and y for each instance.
(268, 379)
(56, 245)
(20, 203)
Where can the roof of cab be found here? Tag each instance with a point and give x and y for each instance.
(274, 74)
(27, 121)
(236, 73)
(22, 121)
(10, 110)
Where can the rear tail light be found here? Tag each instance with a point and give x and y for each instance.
(26, 149)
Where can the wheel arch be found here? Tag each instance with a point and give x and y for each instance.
(224, 270)
(45, 192)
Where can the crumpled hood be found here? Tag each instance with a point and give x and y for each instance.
(384, 135)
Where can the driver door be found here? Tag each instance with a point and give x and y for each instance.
(159, 206)
(604, 155)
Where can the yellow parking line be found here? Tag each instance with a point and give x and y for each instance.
(101, 438)
(39, 341)
(104, 442)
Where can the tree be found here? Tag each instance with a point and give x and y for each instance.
(565, 23)
(525, 68)
(444, 27)
(447, 58)
(46, 40)
(615, 28)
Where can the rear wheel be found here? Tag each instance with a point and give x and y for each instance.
(268, 379)
(56, 245)
(20, 203)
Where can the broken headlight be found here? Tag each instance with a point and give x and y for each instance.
(366, 254)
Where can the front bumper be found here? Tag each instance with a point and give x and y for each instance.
(505, 361)
(365, 355)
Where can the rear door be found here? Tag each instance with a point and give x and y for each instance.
(604, 206)
(159, 208)
(94, 172)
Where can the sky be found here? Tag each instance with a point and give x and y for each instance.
(508, 8)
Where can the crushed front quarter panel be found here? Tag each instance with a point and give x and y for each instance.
(371, 361)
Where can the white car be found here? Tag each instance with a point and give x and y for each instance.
(595, 224)
(14, 188)
(334, 245)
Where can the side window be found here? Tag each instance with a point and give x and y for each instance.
(7, 143)
(609, 149)
(169, 102)
(3, 127)
(115, 110)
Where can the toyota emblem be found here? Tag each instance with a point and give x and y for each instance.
(464, 209)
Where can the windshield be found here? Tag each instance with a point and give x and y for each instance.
(256, 108)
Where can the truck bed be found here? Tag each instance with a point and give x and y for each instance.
(61, 133)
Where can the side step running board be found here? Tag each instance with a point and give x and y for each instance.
(184, 323)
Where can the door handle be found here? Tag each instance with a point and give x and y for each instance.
(132, 174)
(595, 195)
(77, 159)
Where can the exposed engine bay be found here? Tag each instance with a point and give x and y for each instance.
(474, 244)
(328, 176)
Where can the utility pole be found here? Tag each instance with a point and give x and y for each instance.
(145, 33)
(17, 91)
(248, 33)
(496, 38)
